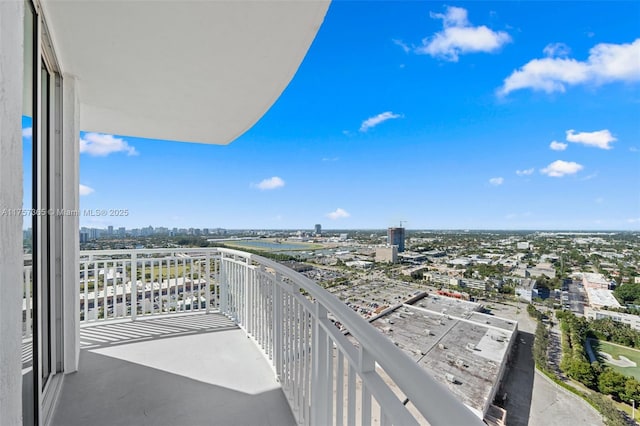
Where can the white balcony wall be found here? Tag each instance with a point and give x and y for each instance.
(11, 39)
(70, 223)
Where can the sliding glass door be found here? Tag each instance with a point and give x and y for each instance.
(42, 303)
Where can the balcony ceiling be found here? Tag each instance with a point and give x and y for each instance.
(195, 71)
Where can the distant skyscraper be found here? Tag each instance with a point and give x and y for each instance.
(110, 230)
(318, 229)
(395, 237)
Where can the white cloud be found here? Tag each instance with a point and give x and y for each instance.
(459, 37)
(85, 190)
(633, 149)
(561, 168)
(402, 44)
(271, 183)
(556, 50)
(375, 120)
(606, 63)
(558, 146)
(101, 145)
(27, 132)
(338, 214)
(525, 172)
(600, 139)
(496, 181)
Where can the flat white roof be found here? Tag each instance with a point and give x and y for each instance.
(602, 297)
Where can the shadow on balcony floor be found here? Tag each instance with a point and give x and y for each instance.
(198, 370)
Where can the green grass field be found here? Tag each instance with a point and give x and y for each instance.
(615, 351)
(271, 245)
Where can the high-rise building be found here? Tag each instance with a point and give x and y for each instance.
(318, 229)
(395, 237)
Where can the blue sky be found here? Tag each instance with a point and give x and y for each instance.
(465, 115)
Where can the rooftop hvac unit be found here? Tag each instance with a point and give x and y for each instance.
(450, 378)
(441, 346)
(427, 332)
(450, 357)
(459, 363)
(471, 346)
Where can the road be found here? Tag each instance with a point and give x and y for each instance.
(533, 399)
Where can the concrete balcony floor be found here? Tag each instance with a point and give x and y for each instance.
(189, 370)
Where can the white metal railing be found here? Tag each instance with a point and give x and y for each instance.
(131, 283)
(350, 375)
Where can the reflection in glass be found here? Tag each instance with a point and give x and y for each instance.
(43, 229)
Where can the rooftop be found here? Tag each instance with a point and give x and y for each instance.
(461, 348)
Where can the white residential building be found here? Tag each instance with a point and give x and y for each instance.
(632, 320)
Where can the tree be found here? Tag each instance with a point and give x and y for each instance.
(628, 293)
(581, 371)
(612, 383)
(631, 390)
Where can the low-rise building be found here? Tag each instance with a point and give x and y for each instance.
(632, 320)
(465, 350)
(592, 280)
(474, 284)
(439, 279)
(526, 290)
(601, 297)
(388, 254)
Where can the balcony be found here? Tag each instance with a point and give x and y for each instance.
(219, 336)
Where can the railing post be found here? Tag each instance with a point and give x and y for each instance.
(277, 325)
(207, 273)
(223, 287)
(134, 286)
(366, 363)
(319, 379)
(247, 298)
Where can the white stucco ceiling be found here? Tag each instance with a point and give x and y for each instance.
(197, 71)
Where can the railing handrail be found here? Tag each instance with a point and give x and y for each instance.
(440, 408)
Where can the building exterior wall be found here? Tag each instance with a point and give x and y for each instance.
(474, 284)
(632, 320)
(395, 237)
(441, 279)
(387, 254)
(11, 259)
(524, 294)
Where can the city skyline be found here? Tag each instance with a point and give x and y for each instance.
(479, 116)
